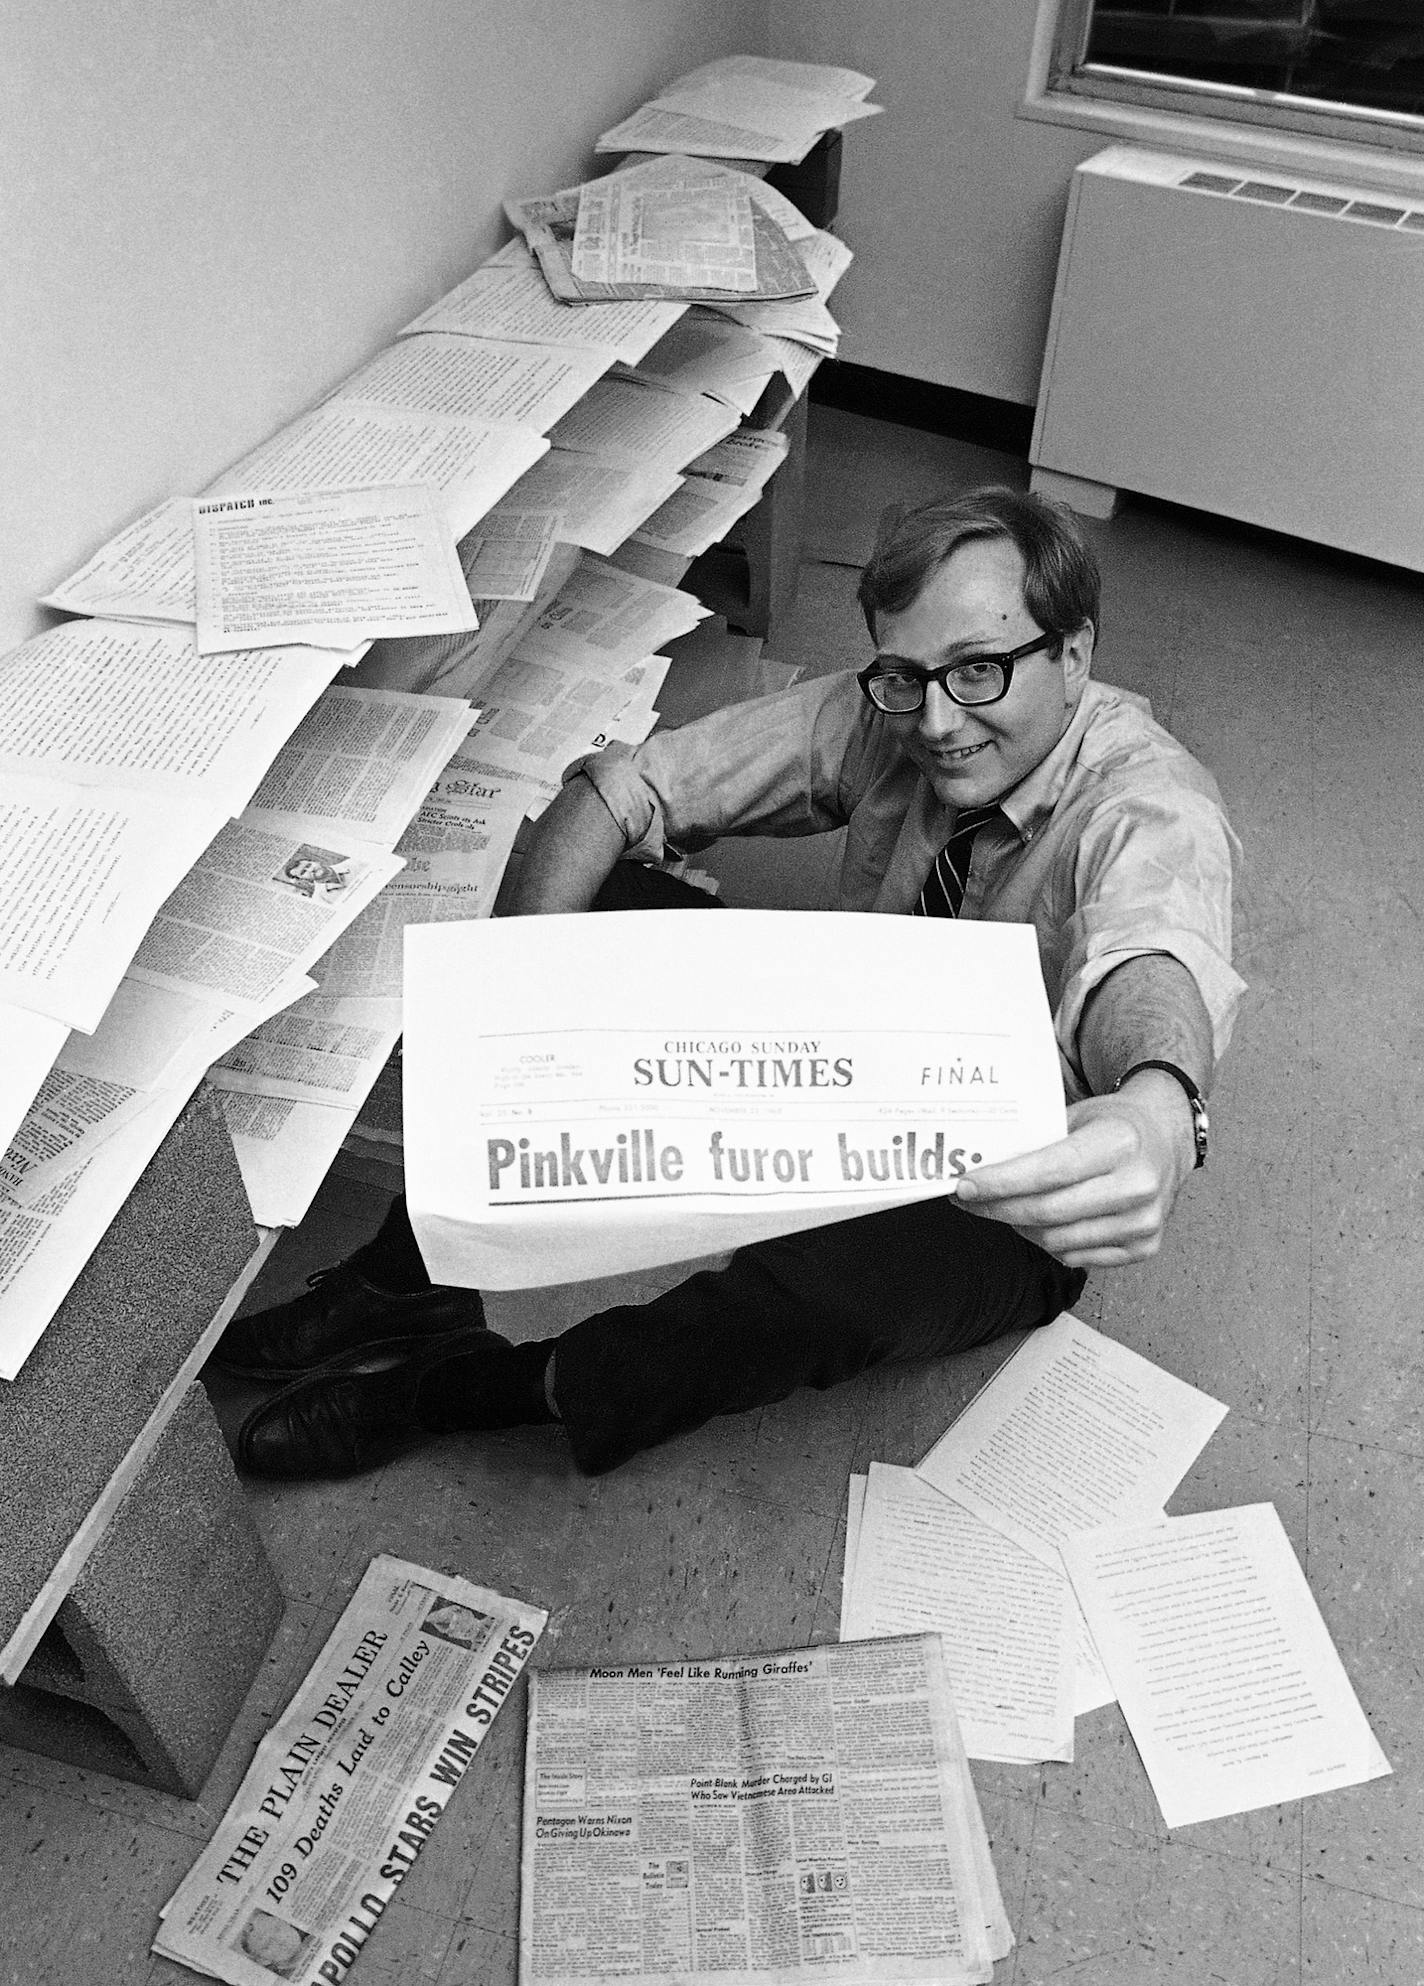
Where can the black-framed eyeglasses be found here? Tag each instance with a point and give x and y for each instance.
(898, 686)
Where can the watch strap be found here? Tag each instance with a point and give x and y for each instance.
(1200, 1121)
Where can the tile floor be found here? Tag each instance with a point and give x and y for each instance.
(1290, 1288)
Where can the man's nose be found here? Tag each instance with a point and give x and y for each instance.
(941, 717)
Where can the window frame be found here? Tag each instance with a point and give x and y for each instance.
(1374, 148)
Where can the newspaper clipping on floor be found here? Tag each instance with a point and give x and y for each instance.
(349, 1783)
(768, 1818)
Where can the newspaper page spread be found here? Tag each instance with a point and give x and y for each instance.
(693, 236)
(451, 884)
(646, 226)
(548, 224)
(604, 618)
(642, 424)
(92, 1147)
(719, 487)
(46, 1242)
(768, 1818)
(29, 1044)
(650, 561)
(538, 716)
(349, 1783)
(359, 763)
(324, 1049)
(586, 1095)
(258, 907)
(707, 353)
(508, 556)
(805, 320)
(459, 664)
(70, 1116)
(600, 502)
(284, 1150)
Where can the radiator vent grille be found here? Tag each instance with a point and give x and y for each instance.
(1301, 199)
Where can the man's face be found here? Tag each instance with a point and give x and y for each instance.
(974, 605)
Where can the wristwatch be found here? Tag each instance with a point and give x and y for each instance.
(1200, 1121)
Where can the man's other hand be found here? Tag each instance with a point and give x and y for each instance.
(1101, 1196)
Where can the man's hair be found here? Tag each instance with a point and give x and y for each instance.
(1062, 584)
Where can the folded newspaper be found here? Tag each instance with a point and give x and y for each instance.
(588, 1095)
(769, 1818)
(349, 1783)
(549, 223)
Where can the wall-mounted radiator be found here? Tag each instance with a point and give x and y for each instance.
(1251, 344)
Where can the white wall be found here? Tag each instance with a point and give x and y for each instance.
(214, 209)
(953, 206)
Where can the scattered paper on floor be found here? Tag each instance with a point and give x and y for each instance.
(349, 1784)
(1226, 1673)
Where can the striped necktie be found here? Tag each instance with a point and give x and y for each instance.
(943, 892)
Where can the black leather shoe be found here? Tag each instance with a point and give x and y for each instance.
(339, 1312)
(342, 1420)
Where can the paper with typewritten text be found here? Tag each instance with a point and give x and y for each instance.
(1225, 1671)
(923, 1562)
(1074, 1432)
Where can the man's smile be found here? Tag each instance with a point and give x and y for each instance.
(951, 755)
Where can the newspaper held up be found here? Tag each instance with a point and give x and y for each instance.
(349, 1783)
(588, 1095)
(770, 1818)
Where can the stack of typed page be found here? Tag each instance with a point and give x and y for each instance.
(1032, 1539)
(350, 1782)
(746, 107)
(214, 848)
(772, 1818)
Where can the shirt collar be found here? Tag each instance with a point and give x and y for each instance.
(1033, 800)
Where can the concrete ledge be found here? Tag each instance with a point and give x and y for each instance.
(161, 1624)
(156, 1279)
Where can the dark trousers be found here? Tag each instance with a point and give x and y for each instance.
(808, 1309)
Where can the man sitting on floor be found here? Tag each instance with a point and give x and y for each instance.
(979, 772)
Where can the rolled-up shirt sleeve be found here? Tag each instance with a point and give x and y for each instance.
(616, 779)
(1153, 874)
(777, 765)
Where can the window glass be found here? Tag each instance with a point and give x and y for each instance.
(1367, 53)
(1344, 69)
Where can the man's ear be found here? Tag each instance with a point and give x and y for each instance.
(1078, 659)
